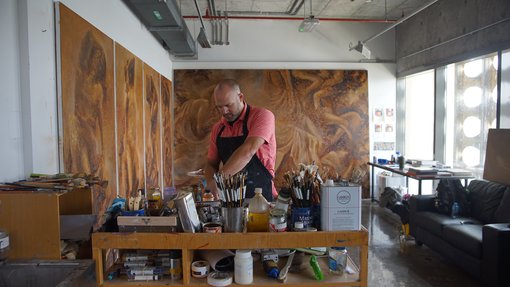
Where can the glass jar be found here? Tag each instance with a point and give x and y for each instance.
(283, 200)
(277, 220)
(337, 260)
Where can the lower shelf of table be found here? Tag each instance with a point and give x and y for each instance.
(304, 277)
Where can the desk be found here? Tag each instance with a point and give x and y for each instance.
(395, 169)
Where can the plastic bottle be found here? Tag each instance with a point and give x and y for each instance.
(258, 213)
(283, 200)
(337, 260)
(455, 209)
(243, 267)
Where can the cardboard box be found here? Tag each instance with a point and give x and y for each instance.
(147, 223)
(341, 207)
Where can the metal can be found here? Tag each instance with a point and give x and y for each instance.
(277, 220)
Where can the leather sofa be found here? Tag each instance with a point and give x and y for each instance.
(478, 241)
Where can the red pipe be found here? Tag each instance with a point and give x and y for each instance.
(294, 18)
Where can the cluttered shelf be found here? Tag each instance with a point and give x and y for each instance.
(188, 243)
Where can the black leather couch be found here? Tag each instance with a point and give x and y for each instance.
(477, 241)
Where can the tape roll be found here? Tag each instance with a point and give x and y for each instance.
(199, 269)
(219, 279)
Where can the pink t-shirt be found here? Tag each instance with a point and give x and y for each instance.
(261, 123)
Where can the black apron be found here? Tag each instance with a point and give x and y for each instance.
(258, 175)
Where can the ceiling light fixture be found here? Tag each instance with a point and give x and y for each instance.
(362, 48)
(309, 23)
(202, 37)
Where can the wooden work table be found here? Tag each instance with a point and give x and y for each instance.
(189, 242)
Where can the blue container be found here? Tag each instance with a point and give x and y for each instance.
(303, 214)
(140, 212)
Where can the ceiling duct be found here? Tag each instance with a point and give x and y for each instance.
(164, 20)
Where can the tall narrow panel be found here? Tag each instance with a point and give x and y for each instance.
(129, 95)
(321, 116)
(166, 110)
(152, 127)
(88, 103)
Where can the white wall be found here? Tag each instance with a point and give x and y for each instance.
(28, 114)
(11, 149)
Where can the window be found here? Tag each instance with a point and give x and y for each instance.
(419, 122)
(471, 101)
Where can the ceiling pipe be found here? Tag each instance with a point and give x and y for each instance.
(297, 19)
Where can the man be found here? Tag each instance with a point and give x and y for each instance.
(244, 138)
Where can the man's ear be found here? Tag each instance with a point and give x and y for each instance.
(241, 96)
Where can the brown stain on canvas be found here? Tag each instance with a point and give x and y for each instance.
(152, 128)
(88, 103)
(166, 110)
(130, 136)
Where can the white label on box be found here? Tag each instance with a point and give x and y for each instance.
(341, 196)
(341, 218)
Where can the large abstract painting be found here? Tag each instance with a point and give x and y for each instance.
(168, 138)
(321, 117)
(88, 116)
(152, 127)
(129, 94)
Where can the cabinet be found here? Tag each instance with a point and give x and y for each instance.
(32, 219)
(189, 242)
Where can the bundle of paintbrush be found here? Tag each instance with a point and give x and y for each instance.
(305, 185)
(231, 188)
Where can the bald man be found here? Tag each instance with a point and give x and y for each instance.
(243, 139)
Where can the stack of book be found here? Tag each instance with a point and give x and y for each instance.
(422, 171)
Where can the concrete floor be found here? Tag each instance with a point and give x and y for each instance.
(393, 264)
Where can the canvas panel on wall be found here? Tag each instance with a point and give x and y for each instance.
(88, 114)
(166, 112)
(321, 116)
(152, 88)
(129, 94)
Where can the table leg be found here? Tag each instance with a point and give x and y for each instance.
(372, 184)
(419, 186)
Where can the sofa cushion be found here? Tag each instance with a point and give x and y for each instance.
(502, 214)
(485, 197)
(466, 237)
(434, 222)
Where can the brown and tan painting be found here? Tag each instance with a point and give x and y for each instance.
(166, 111)
(152, 127)
(88, 103)
(130, 136)
(321, 116)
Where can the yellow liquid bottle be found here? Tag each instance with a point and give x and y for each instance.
(258, 213)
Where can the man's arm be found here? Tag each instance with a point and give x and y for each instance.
(211, 168)
(242, 155)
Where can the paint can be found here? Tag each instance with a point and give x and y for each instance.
(212, 227)
(187, 212)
